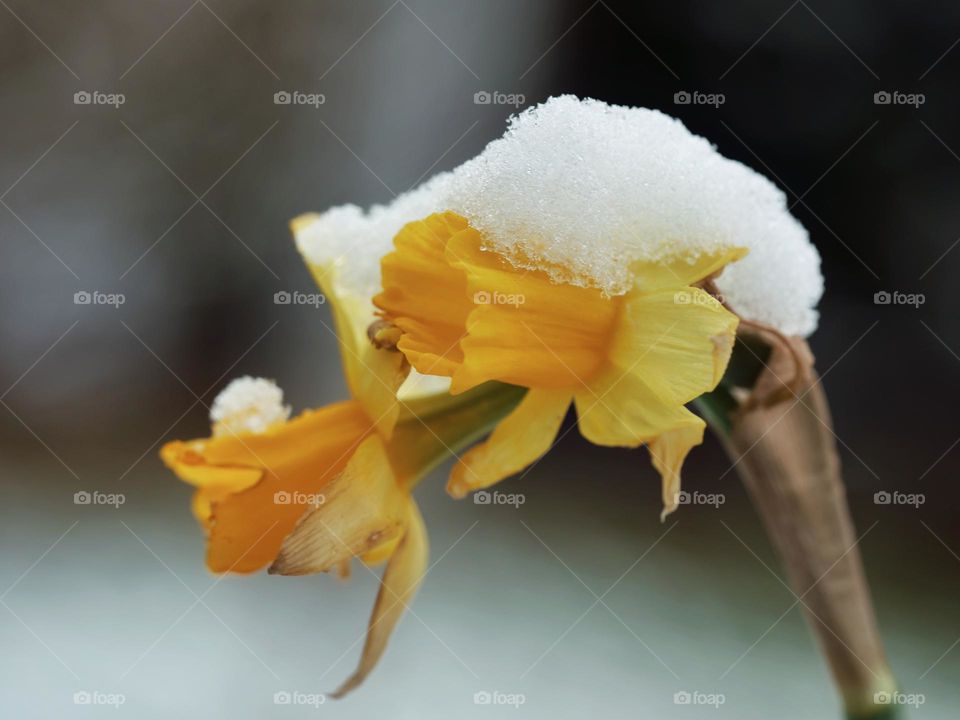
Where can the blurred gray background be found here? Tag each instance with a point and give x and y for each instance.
(580, 601)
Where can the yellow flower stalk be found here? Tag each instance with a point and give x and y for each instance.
(307, 494)
(629, 363)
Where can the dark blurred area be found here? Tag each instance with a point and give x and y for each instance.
(177, 198)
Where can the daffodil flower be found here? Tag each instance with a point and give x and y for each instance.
(307, 494)
(594, 256)
(629, 363)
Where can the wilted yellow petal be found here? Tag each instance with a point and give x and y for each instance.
(382, 552)
(400, 582)
(363, 508)
(667, 453)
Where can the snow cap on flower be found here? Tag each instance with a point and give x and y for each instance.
(581, 189)
(248, 405)
(355, 239)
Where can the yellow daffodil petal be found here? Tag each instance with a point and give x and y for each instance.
(620, 409)
(525, 329)
(292, 461)
(424, 296)
(667, 453)
(187, 461)
(373, 376)
(678, 341)
(664, 353)
(363, 508)
(669, 348)
(400, 582)
(213, 483)
(519, 440)
(682, 271)
(201, 504)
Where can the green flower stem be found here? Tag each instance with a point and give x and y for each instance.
(451, 427)
(718, 408)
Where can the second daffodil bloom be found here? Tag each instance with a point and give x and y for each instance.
(629, 363)
(306, 494)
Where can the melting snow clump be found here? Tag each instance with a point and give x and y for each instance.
(581, 189)
(248, 404)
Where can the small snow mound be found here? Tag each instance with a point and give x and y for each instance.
(353, 239)
(248, 404)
